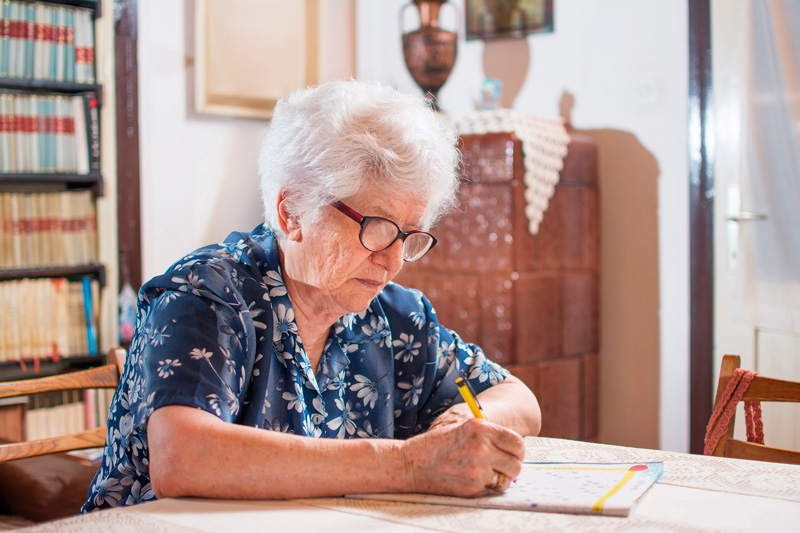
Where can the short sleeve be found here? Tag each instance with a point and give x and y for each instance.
(192, 355)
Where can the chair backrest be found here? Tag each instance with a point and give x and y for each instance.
(104, 377)
(760, 389)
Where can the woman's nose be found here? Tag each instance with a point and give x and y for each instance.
(391, 258)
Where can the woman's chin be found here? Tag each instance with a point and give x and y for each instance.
(361, 303)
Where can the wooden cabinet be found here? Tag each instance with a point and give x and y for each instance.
(530, 301)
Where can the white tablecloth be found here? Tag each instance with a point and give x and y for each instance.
(696, 493)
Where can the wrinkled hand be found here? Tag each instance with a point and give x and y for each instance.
(457, 414)
(460, 459)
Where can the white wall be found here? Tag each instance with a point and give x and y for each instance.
(624, 61)
(626, 64)
(198, 173)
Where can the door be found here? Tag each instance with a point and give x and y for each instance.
(757, 186)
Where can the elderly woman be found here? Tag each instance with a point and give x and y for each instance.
(285, 363)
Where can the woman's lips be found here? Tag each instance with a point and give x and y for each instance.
(371, 283)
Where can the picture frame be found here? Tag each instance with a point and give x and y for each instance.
(250, 53)
(490, 20)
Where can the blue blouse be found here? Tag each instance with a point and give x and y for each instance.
(217, 332)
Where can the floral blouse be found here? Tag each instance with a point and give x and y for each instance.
(217, 332)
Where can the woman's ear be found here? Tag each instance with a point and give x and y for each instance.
(289, 223)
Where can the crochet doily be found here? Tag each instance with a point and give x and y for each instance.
(544, 146)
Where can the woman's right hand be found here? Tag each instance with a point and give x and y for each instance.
(462, 459)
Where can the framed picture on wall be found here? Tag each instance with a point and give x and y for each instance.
(250, 53)
(507, 19)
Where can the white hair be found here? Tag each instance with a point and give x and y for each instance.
(338, 139)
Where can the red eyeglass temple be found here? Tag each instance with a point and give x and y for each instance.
(347, 211)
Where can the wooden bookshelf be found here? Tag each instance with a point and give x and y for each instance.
(14, 371)
(66, 30)
(96, 270)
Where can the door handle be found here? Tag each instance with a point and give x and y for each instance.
(735, 216)
(746, 216)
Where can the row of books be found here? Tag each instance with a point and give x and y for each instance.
(66, 412)
(47, 229)
(46, 42)
(47, 133)
(47, 318)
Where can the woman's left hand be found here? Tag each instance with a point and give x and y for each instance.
(457, 414)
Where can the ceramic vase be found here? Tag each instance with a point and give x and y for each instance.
(429, 51)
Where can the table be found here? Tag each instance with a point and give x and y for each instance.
(696, 493)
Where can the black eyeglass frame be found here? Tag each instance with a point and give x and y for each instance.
(362, 221)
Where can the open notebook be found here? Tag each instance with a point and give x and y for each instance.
(591, 488)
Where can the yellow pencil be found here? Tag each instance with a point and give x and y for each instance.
(466, 393)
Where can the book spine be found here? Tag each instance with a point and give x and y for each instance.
(4, 310)
(44, 231)
(22, 132)
(5, 152)
(33, 133)
(42, 132)
(78, 224)
(59, 289)
(89, 25)
(60, 133)
(61, 40)
(52, 121)
(91, 327)
(80, 48)
(40, 42)
(19, 135)
(16, 231)
(53, 59)
(47, 42)
(14, 320)
(69, 47)
(81, 136)
(93, 255)
(19, 59)
(69, 133)
(67, 228)
(26, 229)
(57, 239)
(5, 37)
(93, 131)
(30, 39)
(11, 120)
(5, 231)
(29, 228)
(12, 38)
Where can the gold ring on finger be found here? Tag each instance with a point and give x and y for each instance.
(497, 481)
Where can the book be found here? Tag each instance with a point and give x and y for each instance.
(91, 330)
(69, 47)
(81, 137)
(5, 37)
(30, 39)
(93, 130)
(585, 488)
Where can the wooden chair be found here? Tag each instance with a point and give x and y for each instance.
(760, 389)
(104, 377)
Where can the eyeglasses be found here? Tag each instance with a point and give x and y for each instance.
(378, 233)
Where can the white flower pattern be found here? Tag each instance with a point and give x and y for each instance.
(383, 371)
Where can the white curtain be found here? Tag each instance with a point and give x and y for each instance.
(770, 259)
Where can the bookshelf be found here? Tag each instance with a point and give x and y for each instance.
(55, 217)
